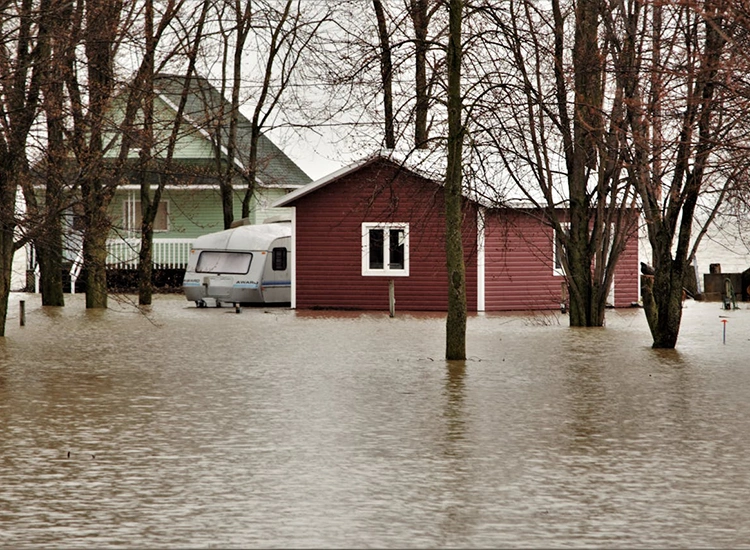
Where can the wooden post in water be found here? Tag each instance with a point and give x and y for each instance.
(22, 314)
(392, 297)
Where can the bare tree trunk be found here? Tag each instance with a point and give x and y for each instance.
(49, 246)
(285, 34)
(662, 298)
(386, 73)
(95, 257)
(242, 21)
(149, 208)
(587, 123)
(455, 342)
(420, 20)
(7, 235)
(49, 243)
(146, 254)
(97, 187)
(49, 255)
(149, 204)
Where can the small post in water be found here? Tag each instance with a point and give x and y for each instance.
(22, 315)
(724, 336)
(392, 297)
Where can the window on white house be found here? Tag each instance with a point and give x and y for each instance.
(133, 215)
(385, 249)
(236, 263)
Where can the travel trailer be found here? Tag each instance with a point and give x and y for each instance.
(247, 264)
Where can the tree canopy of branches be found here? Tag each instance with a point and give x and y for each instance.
(546, 129)
(277, 35)
(687, 131)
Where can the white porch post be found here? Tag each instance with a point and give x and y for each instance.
(481, 217)
(294, 258)
(130, 213)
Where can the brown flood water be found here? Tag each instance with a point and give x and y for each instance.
(205, 428)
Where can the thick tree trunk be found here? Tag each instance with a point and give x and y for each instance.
(579, 264)
(664, 315)
(95, 262)
(585, 308)
(49, 245)
(49, 256)
(252, 162)
(6, 268)
(249, 192)
(420, 20)
(455, 344)
(227, 203)
(145, 268)
(386, 74)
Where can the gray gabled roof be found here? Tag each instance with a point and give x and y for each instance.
(202, 112)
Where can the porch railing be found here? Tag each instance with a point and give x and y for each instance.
(167, 253)
(123, 254)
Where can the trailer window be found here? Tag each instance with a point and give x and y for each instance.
(385, 249)
(278, 261)
(237, 263)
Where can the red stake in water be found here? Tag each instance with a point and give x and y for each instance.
(724, 322)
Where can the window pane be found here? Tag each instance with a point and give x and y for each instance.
(161, 222)
(134, 216)
(377, 237)
(237, 263)
(396, 258)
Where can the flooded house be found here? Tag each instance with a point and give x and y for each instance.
(375, 229)
(191, 203)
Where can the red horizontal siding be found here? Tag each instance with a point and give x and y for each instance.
(519, 272)
(518, 264)
(329, 247)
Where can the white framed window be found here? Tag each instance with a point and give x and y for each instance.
(132, 216)
(385, 249)
(557, 252)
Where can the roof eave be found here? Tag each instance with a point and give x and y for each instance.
(325, 180)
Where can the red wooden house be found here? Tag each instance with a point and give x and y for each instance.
(374, 222)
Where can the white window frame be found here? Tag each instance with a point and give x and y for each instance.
(386, 270)
(556, 253)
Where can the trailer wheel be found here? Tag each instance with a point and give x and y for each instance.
(200, 303)
(218, 303)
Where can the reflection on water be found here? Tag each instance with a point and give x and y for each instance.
(195, 427)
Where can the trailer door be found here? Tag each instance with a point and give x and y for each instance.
(277, 275)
